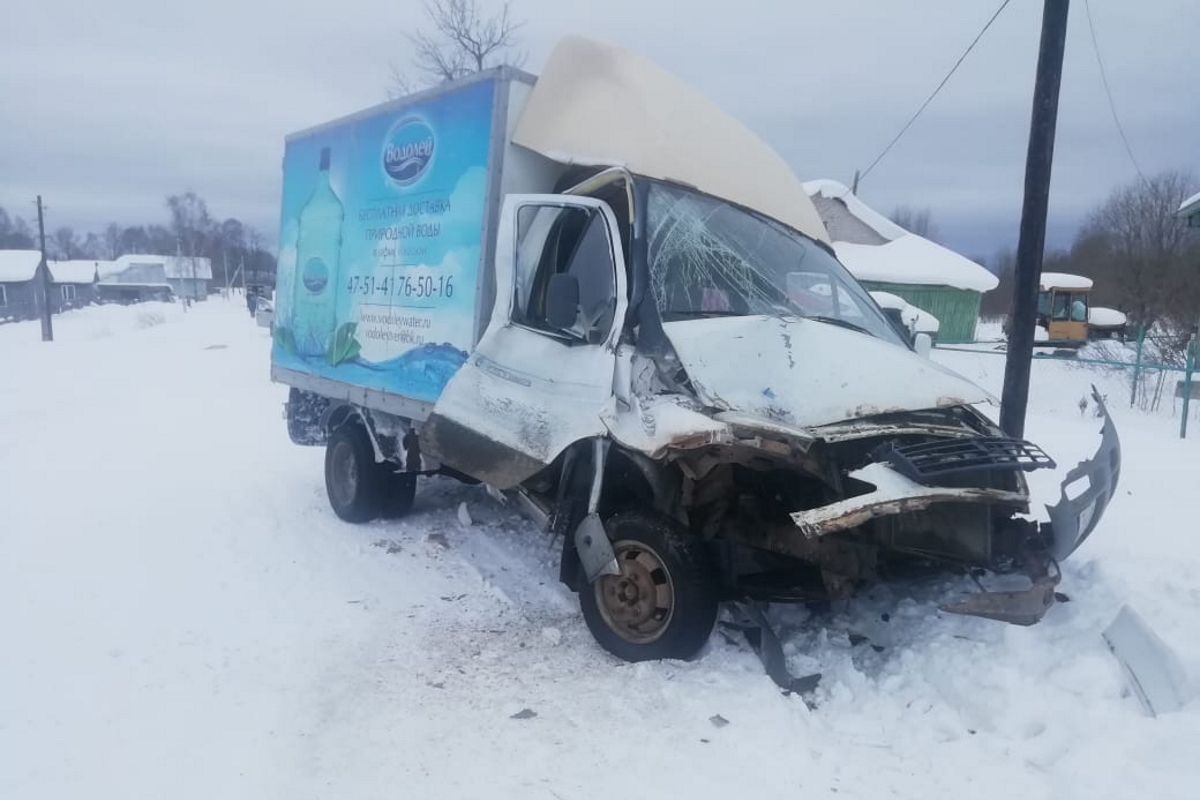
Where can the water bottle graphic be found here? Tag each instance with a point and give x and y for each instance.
(318, 244)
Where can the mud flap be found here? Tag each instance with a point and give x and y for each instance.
(595, 551)
(1073, 520)
(762, 639)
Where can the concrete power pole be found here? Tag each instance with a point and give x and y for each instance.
(44, 271)
(1032, 241)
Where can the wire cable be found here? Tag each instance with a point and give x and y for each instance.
(929, 99)
(1108, 92)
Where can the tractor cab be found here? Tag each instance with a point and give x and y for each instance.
(1063, 307)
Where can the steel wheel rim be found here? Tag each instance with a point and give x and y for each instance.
(345, 473)
(639, 604)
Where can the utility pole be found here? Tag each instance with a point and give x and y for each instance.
(1032, 242)
(44, 271)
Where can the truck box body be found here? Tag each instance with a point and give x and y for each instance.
(387, 218)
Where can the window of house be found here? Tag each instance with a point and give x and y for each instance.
(68, 292)
(575, 241)
(3, 296)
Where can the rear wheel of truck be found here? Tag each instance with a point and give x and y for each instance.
(353, 479)
(664, 602)
(399, 491)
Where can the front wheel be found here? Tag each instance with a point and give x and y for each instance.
(663, 604)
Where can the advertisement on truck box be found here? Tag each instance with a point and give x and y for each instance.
(380, 241)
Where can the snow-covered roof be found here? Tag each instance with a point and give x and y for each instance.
(834, 190)
(75, 271)
(17, 266)
(906, 257)
(912, 259)
(1061, 280)
(1106, 317)
(1189, 205)
(174, 267)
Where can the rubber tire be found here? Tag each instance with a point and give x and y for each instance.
(399, 492)
(367, 500)
(687, 562)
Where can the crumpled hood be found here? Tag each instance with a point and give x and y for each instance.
(806, 373)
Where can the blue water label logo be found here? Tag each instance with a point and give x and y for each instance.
(408, 151)
(315, 275)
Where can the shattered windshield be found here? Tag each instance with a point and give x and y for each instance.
(710, 258)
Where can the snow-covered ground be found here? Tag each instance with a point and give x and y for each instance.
(185, 618)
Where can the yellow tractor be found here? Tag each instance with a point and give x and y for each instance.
(1065, 316)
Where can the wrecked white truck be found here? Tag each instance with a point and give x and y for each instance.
(601, 296)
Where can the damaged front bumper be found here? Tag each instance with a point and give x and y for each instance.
(904, 486)
(1018, 607)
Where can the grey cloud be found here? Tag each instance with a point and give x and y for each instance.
(110, 107)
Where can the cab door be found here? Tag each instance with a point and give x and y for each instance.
(539, 378)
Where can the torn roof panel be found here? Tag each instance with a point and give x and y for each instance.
(599, 105)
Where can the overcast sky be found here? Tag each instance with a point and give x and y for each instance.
(108, 107)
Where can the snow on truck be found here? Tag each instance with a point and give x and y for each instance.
(599, 295)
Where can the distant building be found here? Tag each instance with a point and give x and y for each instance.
(1190, 211)
(72, 284)
(186, 276)
(887, 258)
(18, 293)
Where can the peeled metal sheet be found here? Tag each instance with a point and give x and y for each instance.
(1155, 672)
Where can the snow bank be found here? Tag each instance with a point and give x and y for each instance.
(912, 259)
(18, 265)
(188, 619)
(89, 323)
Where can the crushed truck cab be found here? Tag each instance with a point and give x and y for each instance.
(598, 294)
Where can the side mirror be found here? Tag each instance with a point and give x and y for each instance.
(562, 301)
(923, 344)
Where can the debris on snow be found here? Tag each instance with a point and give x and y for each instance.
(718, 720)
(525, 713)
(1157, 676)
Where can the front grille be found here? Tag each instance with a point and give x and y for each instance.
(928, 461)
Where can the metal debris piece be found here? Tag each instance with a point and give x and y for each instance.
(1157, 676)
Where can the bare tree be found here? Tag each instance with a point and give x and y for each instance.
(112, 241)
(1142, 257)
(15, 232)
(64, 244)
(463, 39)
(915, 220)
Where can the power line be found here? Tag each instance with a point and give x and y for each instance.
(929, 99)
(1108, 92)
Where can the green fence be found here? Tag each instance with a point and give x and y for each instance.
(1139, 366)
